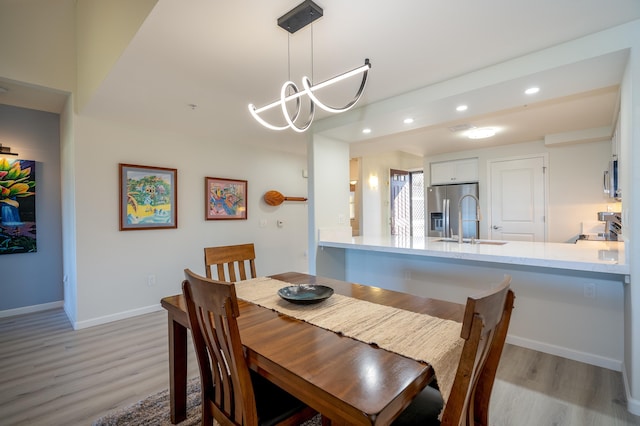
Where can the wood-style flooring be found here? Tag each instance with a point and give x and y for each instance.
(53, 375)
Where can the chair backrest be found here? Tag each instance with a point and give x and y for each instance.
(226, 384)
(230, 262)
(484, 329)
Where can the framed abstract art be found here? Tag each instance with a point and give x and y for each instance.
(225, 199)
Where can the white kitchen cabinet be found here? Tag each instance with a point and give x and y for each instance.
(456, 171)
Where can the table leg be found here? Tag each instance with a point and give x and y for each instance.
(177, 370)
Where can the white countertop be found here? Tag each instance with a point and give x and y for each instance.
(593, 256)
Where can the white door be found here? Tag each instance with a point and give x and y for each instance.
(517, 199)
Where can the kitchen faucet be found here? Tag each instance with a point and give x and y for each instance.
(478, 215)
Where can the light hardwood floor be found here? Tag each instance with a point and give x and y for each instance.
(53, 375)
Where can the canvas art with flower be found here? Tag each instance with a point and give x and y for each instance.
(17, 206)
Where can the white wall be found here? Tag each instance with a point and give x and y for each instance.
(37, 41)
(329, 192)
(112, 266)
(69, 233)
(575, 186)
(630, 182)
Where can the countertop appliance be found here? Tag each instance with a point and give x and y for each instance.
(442, 210)
(612, 228)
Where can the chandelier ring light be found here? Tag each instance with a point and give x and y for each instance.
(292, 21)
(308, 90)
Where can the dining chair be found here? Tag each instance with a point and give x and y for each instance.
(484, 330)
(230, 262)
(232, 394)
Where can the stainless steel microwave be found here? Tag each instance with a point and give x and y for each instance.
(610, 181)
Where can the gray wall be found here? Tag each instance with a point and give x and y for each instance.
(28, 279)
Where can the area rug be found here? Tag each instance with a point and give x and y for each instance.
(154, 411)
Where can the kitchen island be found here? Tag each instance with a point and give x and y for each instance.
(569, 297)
(595, 256)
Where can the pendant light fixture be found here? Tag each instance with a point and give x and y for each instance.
(297, 18)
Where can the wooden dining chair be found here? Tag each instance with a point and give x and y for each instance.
(484, 330)
(231, 393)
(231, 262)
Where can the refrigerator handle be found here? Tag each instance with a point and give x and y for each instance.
(445, 218)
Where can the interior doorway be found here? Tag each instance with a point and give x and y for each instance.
(407, 203)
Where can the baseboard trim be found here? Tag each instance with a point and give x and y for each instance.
(78, 325)
(597, 360)
(633, 405)
(31, 309)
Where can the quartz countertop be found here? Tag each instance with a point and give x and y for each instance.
(593, 256)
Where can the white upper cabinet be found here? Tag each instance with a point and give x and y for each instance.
(457, 171)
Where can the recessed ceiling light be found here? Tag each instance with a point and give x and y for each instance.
(408, 120)
(366, 131)
(532, 90)
(481, 133)
(461, 108)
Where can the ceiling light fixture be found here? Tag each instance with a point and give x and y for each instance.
(366, 131)
(532, 90)
(461, 108)
(481, 133)
(297, 18)
(408, 120)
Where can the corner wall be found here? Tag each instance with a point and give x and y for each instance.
(32, 279)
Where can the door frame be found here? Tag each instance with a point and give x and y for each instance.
(410, 173)
(545, 162)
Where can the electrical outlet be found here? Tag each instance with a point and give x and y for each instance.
(151, 280)
(589, 291)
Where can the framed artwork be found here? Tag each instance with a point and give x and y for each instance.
(148, 197)
(225, 199)
(17, 206)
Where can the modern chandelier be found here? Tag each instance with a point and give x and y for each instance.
(297, 18)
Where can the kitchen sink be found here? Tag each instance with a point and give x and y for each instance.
(472, 241)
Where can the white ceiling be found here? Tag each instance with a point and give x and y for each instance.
(221, 56)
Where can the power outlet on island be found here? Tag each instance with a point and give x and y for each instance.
(589, 291)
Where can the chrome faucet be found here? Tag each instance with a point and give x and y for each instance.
(478, 215)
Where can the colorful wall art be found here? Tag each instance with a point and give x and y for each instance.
(148, 197)
(225, 198)
(17, 206)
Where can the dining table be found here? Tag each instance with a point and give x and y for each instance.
(346, 380)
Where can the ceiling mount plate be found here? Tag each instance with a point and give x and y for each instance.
(300, 16)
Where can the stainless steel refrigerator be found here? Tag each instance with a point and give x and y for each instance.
(442, 207)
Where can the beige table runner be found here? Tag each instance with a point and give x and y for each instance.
(422, 337)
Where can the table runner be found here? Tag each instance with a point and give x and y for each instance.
(421, 337)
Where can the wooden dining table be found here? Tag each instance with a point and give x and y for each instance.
(346, 380)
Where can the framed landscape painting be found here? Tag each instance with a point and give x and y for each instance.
(148, 197)
(225, 199)
(17, 206)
